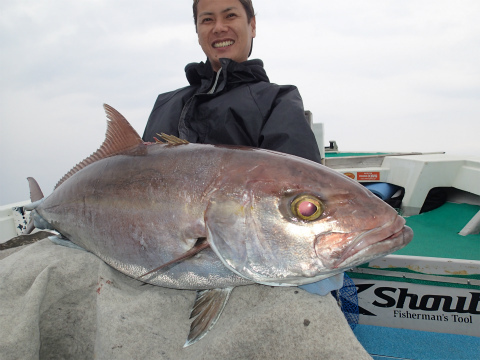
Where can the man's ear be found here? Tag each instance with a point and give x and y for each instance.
(253, 24)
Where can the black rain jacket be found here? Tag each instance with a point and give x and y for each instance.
(243, 108)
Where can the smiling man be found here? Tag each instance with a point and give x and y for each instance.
(225, 32)
(230, 99)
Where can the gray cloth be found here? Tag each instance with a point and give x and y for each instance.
(61, 303)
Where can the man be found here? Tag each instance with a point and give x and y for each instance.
(230, 100)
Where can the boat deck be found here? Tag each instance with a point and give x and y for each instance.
(436, 233)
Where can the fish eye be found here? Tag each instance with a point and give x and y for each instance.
(307, 207)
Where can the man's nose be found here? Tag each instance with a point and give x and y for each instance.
(220, 26)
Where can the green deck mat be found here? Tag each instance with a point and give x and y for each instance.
(345, 154)
(436, 233)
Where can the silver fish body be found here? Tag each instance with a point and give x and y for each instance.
(147, 206)
(209, 218)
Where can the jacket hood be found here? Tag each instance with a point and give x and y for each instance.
(248, 71)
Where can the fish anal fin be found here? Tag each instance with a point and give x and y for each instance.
(60, 240)
(206, 311)
(119, 137)
(171, 140)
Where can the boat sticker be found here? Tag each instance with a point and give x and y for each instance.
(419, 307)
(368, 176)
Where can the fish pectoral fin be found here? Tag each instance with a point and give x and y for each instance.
(200, 245)
(207, 309)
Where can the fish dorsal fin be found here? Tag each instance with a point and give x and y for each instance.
(171, 140)
(119, 137)
(208, 307)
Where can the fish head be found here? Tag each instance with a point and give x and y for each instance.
(299, 226)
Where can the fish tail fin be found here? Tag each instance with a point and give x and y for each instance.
(30, 227)
(36, 195)
(35, 191)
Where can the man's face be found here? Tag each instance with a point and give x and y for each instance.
(224, 31)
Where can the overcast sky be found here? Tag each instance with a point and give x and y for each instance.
(382, 75)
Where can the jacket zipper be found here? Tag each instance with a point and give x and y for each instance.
(212, 90)
(182, 128)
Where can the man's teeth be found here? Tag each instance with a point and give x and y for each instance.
(223, 44)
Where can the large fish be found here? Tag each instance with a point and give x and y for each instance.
(209, 218)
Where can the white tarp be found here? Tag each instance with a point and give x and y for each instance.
(61, 303)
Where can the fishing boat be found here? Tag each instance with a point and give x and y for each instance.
(423, 301)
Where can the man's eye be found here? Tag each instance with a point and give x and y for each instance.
(231, 15)
(204, 20)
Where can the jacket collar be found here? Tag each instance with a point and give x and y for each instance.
(232, 72)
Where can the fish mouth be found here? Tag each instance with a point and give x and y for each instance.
(375, 243)
(376, 250)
